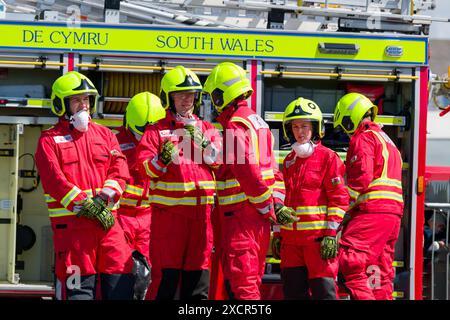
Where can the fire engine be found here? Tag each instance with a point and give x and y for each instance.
(315, 49)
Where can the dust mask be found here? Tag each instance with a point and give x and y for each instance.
(80, 120)
(303, 150)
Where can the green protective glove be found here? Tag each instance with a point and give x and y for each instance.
(96, 208)
(87, 209)
(197, 135)
(328, 248)
(276, 248)
(285, 214)
(167, 153)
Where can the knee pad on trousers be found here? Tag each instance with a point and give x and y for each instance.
(323, 288)
(295, 283)
(169, 284)
(194, 285)
(84, 290)
(142, 274)
(117, 286)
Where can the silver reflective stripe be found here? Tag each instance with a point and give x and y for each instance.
(157, 166)
(333, 225)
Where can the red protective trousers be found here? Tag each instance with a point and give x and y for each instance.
(244, 244)
(366, 254)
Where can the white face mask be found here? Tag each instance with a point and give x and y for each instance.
(303, 150)
(186, 119)
(80, 120)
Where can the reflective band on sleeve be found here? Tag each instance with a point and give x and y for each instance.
(113, 184)
(332, 225)
(279, 195)
(48, 198)
(148, 171)
(72, 194)
(335, 211)
(264, 197)
(353, 194)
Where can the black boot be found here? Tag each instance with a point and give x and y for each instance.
(169, 284)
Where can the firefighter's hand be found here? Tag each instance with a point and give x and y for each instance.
(328, 248)
(197, 135)
(276, 247)
(168, 152)
(103, 214)
(88, 209)
(285, 214)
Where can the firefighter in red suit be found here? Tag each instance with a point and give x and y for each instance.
(249, 185)
(178, 154)
(83, 174)
(374, 179)
(134, 213)
(315, 188)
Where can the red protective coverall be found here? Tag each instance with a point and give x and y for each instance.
(73, 166)
(374, 173)
(181, 196)
(315, 188)
(248, 182)
(134, 212)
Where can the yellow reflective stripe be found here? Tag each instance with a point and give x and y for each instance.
(385, 182)
(191, 201)
(267, 174)
(60, 212)
(253, 133)
(207, 185)
(335, 211)
(72, 194)
(128, 202)
(235, 198)
(380, 195)
(264, 197)
(353, 194)
(207, 200)
(232, 183)
(384, 153)
(172, 186)
(310, 225)
(49, 198)
(311, 210)
(149, 172)
(279, 185)
(113, 184)
(132, 189)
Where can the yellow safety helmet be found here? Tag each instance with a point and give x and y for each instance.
(302, 108)
(144, 108)
(179, 79)
(351, 109)
(70, 84)
(226, 82)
